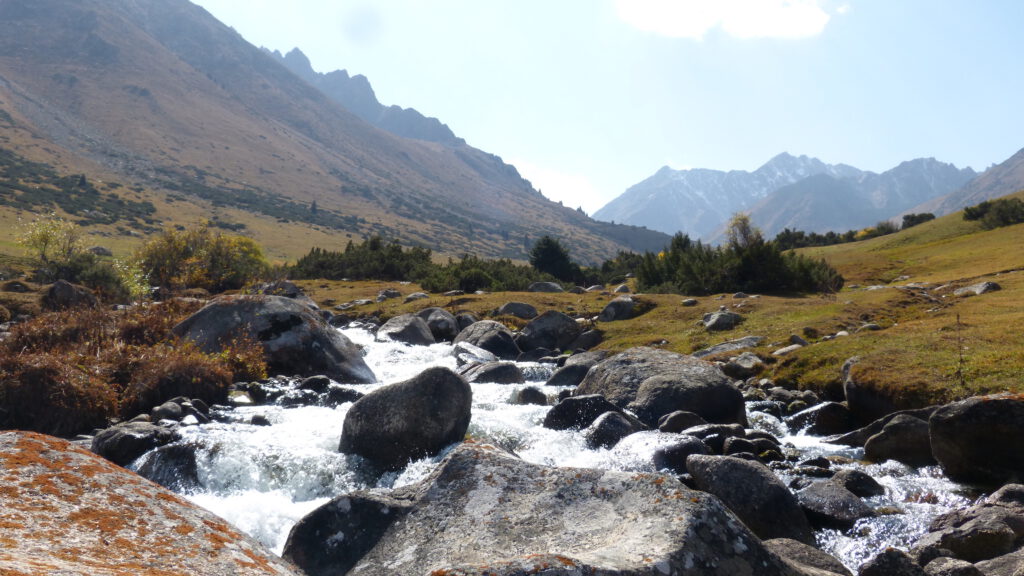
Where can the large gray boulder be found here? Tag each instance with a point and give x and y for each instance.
(442, 324)
(980, 439)
(806, 557)
(407, 329)
(552, 287)
(491, 336)
(829, 504)
(653, 382)
(904, 439)
(68, 511)
(991, 528)
(620, 308)
(552, 330)
(485, 511)
(520, 310)
(124, 442)
(753, 493)
(722, 320)
(408, 420)
(295, 339)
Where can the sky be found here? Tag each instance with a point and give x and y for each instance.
(588, 97)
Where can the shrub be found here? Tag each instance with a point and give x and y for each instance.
(5, 314)
(166, 371)
(911, 220)
(199, 258)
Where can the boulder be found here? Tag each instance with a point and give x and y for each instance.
(286, 289)
(552, 330)
(829, 504)
(980, 439)
(802, 556)
(388, 294)
(859, 483)
(587, 340)
(518, 309)
(824, 419)
(416, 296)
(860, 436)
(408, 420)
(943, 566)
(721, 320)
(491, 336)
(466, 353)
(495, 373)
(485, 511)
(891, 562)
(544, 287)
(622, 289)
(653, 382)
(743, 366)
(673, 457)
(295, 339)
(123, 443)
(992, 528)
(407, 329)
(1011, 564)
(62, 295)
(730, 346)
(568, 375)
(465, 320)
(609, 428)
(977, 289)
(577, 412)
(530, 395)
(67, 511)
(172, 466)
(753, 493)
(620, 308)
(442, 324)
(688, 302)
(904, 439)
(679, 420)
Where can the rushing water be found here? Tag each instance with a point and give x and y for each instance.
(265, 478)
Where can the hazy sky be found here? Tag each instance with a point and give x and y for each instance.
(588, 97)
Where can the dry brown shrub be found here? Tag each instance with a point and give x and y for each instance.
(167, 371)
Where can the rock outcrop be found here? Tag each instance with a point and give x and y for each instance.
(980, 439)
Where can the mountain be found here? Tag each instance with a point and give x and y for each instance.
(162, 108)
(800, 193)
(357, 96)
(999, 180)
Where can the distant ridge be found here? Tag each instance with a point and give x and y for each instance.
(1004, 178)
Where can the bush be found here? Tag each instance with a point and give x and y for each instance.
(374, 259)
(166, 371)
(199, 258)
(5, 314)
(911, 220)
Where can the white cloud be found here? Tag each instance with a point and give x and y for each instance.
(738, 18)
(571, 189)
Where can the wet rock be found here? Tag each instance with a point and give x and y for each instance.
(866, 403)
(123, 443)
(259, 420)
(860, 436)
(735, 445)
(722, 320)
(551, 330)
(483, 510)
(94, 517)
(577, 412)
(891, 562)
(442, 324)
(491, 336)
(754, 494)
(829, 504)
(63, 295)
(465, 320)
(652, 383)
(859, 483)
(167, 411)
(318, 384)
(496, 373)
(530, 395)
(989, 529)
(609, 428)
(295, 339)
(980, 439)
(679, 420)
(408, 329)
(568, 375)
(620, 308)
(467, 353)
(801, 556)
(904, 439)
(172, 466)
(552, 287)
(825, 419)
(951, 567)
(673, 457)
(412, 419)
(518, 309)
(338, 395)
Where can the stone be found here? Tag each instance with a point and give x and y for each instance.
(944, 566)
(167, 411)
(620, 308)
(858, 482)
(412, 419)
(824, 419)
(442, 324)
(416, 296)
(518, 309)
(689, 302)
(1011, 564)
(491, 336)
(786, 351)
(485, 511)
(100, 251)
(172, 466)
(829, 504)
(891, 562)
(530, 395)
(904, 439)
(721, 320)
(388, 294)
(93, 517)
(568, 375)
(552, 330)
(744, 366)
(753, 493)
(977, 289)
(295, 339)
(465, 320)
(467, 353)
(577, 412)
(730, 346)
(989, 529)
(495, 373)
(802, 556)
(652, 383)
(552, 287)
(125, 442)
(672, 458)
(980, 439)
(609, 428)
(587, 340)
(860, 436)
(63, 295)
(407, 329)
(679, 420)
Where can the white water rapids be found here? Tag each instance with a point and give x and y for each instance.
(265, 478)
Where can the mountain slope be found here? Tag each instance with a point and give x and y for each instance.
(160, 95)
(700, 202)
(1002, 179)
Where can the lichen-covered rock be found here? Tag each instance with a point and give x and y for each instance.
(485, 511)
(295, 339)
(653, 382)
(412, 419)
(67, 511)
